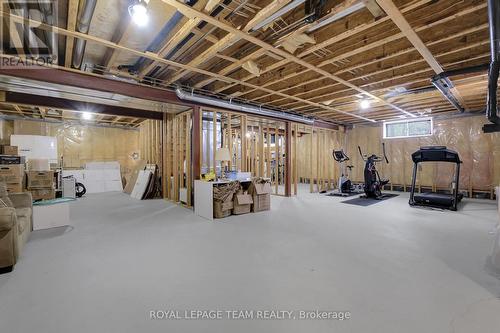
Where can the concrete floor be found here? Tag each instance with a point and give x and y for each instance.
(395, 268)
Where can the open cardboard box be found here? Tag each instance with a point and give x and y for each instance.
(223, 208)
(242, 203)
(261, 195)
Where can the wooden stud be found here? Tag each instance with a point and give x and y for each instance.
(214, 140)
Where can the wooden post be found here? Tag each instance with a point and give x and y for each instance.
(214, 140)
(311, 161)
(244, 143)
(276, 158)
(288, 159)
(230, 140)
(261, 151)
(175, 153)
(295, 160)
(164, 157)
(267, 154)
(196, 140)
(170, 156)
(189, 170)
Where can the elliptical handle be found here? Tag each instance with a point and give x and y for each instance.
(361, 154)
(385, 156)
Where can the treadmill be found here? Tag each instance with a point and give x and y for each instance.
(432, 199)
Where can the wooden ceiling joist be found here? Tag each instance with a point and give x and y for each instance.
(71, 26)
(190, 12)
(373, 45)
(378, 49)
(155, 57)
(397, 17)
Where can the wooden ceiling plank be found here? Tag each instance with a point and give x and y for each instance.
(456, 16)
(213, 50)
(231, 38)
(397, 17)
(71, 26)
(232, 67)
(345, 35)
(189, 26)
(188, 11)
(171, 43)
(387, 40)
(154, 57)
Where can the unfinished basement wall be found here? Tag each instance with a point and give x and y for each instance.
(79, 144)
(150, 141)
(6, 130)
(167, 143)
(315, 162)
(480, 153)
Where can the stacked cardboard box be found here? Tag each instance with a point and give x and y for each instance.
(242, 203)
(41, 184)
(13, 176)
(11, 169)
(260, 190)
(223, 208)
(10, 150)
(223, 199)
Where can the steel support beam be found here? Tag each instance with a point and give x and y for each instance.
(66, 104)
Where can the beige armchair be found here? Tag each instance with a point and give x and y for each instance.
(16, 223)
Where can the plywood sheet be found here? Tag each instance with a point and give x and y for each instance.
(141, 164)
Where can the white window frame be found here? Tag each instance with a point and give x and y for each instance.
(408, 121)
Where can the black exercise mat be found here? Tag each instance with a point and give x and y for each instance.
(368, 202)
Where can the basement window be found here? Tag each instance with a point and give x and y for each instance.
(410, 128)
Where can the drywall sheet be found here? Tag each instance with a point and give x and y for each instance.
(36, 146)
(141, 184)
(98, 180)
(129, 187)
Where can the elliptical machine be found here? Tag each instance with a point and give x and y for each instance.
(373, 183)
(345, 186)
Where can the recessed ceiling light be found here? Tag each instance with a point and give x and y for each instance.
(139, 12)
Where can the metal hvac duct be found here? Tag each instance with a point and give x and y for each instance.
(491, 104)
(83, 26)
(48, 16)
(246, 108)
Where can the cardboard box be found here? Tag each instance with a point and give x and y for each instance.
(38, 164)
(11, 173)
(11, 179)
(223, 208)
(8, 160)
(242, 203)
(43, 194)
(261, 195)
(10, 150)
(40, 179)
(15, 188)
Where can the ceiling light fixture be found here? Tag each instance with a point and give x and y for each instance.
(364, 104)
(138, 11)
(87, 116)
